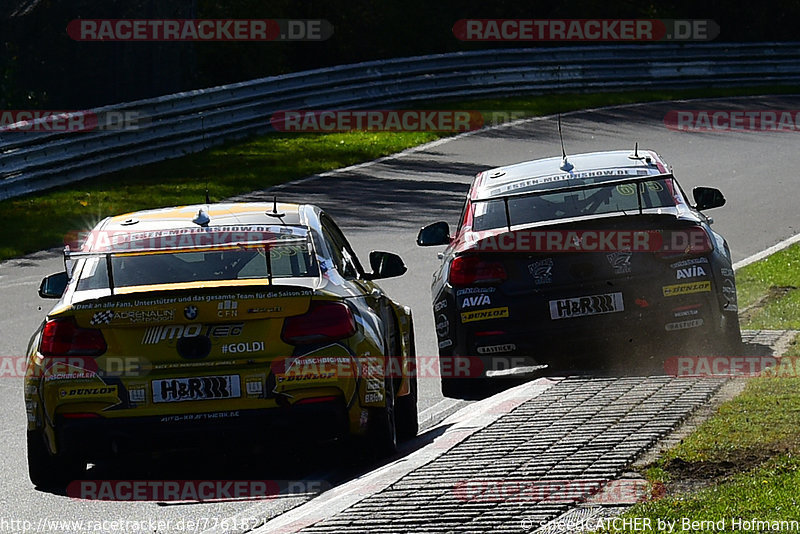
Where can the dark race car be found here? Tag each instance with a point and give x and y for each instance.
(556, 258)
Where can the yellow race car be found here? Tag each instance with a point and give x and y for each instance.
(230, 325)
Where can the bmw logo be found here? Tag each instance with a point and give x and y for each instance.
(190, 312)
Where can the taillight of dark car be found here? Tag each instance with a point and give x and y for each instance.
(690, 241)
(63, 337)
(325, 321)
(470, 270)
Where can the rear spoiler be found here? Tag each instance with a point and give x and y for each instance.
(583, 187)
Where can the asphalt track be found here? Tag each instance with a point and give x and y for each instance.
(381, 205)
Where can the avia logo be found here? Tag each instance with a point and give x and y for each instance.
(691, 272)
(477, 300)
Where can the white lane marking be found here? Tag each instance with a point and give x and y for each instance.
(786, 243)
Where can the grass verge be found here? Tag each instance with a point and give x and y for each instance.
(742, 464)
(39, 221)
(768, 291)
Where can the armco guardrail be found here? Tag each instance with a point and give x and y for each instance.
(192, 121)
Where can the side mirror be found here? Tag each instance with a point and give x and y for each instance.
(385, 265)
(53, 286)
(706, 198)
(437, 233)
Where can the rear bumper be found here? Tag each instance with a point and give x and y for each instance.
(673, 323)
(98, 437)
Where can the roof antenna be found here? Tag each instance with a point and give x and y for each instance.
(635, 154)
(565, 165)
(275, 212)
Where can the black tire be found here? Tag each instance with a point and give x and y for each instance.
(406, 406)
(46, 470)
(466, 388)
(406, 413)
(382, 431)
(732, 336)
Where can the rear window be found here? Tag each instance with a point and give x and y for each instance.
(292, 258)
(594, 200)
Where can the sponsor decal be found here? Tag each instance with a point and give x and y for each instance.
(227, 308)
(542, 271)
(133, 316)
(683, 325)
(726, 272)
(588, 305)
(442, 325)
(88, 391)
(254, 387)
(620, 261)
(686, 289)
(585, 30)
(224, 330)
(496, 349)
(190, 312)
(237, 348)
(686, 311)
(532, 182)
(373, 397)
(314, 368)
(137, 394)
(196, 388)
(482, 315)
(629, 190)
(686, 263)
(272, 309)
(199, 417)
(729, 287)
(446, 343)
(157, 334)
(102, 317)
(694, 271)
(473, 290)
(477, 300)
(720, 120)
(439, 306)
